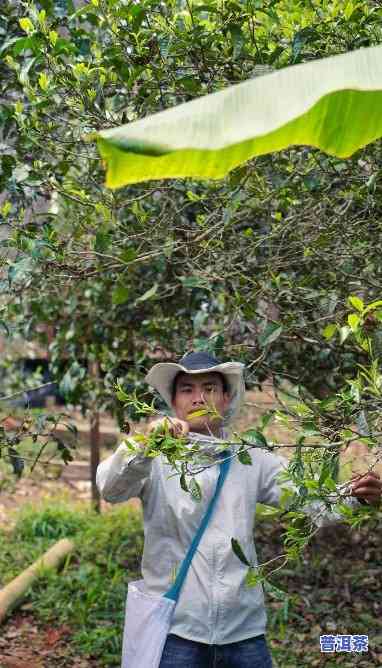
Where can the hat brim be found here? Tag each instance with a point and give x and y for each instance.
(162, 376)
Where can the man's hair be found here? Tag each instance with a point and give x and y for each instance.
(182, 373)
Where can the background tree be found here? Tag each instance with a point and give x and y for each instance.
(259, 265)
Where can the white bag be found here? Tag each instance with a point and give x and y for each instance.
(147, 624)
(148, 618)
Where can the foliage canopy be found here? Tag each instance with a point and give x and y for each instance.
(277, 264)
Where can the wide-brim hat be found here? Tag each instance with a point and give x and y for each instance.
(163, 374)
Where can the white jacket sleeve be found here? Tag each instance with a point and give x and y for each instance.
(271, 490)
(123, 475)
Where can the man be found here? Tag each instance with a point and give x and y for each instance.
(218, 621)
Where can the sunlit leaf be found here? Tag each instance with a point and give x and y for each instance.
(333, 104)
(329, 331)
(199, 413)
(353, 320)
(373, 306)
(356, 302)
(253, 577)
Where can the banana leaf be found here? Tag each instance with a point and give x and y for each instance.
(334, 104)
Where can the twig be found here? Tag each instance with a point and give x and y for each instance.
(26, 391)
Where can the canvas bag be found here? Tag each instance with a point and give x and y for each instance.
(148, 618)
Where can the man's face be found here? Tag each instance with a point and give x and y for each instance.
(196, 391)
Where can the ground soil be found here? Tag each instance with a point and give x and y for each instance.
(26, 644)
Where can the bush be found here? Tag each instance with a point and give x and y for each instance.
(89, 592)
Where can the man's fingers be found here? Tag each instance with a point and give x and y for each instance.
(182, 428)
(177, 427)
(367, 481)
(368, 487)
(361, 475)
(367, 478)
(364, 491)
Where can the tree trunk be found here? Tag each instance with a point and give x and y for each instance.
(95, 439)
(95, 459)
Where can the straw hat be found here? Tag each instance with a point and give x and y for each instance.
(162, 376)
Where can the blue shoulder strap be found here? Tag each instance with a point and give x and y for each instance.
(174, 591)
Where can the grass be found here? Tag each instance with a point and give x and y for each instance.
(89, 593)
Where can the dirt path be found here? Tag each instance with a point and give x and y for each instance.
(28, 490)
(26, 644)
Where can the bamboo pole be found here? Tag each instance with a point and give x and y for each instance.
(14, 590)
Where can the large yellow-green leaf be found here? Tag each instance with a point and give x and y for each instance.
(334, 104)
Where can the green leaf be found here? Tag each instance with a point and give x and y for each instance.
(211, 135)
(353, 320)
(266, 418)
(4, 325)
(244, 457)
(329, 331)
(120, 295)
(147, 295)
(272, 332)
(255, 437)
(309, 429)
(205, 8)
(43, 81)
(128, 254)
(330, 483)
(373, 306)
(357, 303)
(26, 25)
(121, 394)
(239, 552)
(183, 482)
(102, 241)
(193, 282)
(253, 577)
(195, 490)
(196, 414)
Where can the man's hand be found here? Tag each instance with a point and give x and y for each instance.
(367, 487)
(174, 426)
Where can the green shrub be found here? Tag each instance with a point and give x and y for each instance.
(51, 522)
(89, 592)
